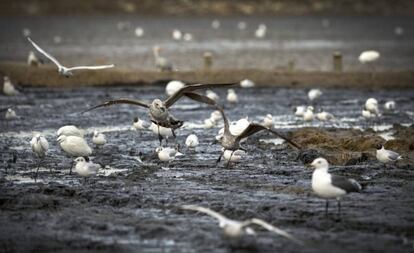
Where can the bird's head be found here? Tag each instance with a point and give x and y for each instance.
(80, 160)
(310, 108)
(158, 104)
(136, 119)
(95, 133)
(159, 149)
(61, 138)
(379, 146)
(320, 163)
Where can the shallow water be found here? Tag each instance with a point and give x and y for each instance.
(133, 204)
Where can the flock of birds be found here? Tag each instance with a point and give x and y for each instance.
(72, 139)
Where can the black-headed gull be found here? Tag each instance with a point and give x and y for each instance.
(86, 168)
(386, 156)
(74, 146)
(8, 87)
(98, 139)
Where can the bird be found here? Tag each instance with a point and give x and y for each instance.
(368, 115)
(386, 156)
(241, 25)
(98, 139)
(65, 71)
(300, 110)
(233, 156)
(390, 105)
(8, 87)
(212, 95)
(177, 34)
(268, 121)
(324, 116)
(165, 132)
(10, 114)
(368, 56)
(372, 105)
(232, 96)
(246, 83)
(187, 37)
(173, 86)
(57, 39)
(32, 60)
(158, 110)
(329, 186)
(261, 31)
(215, 24)
(70, 130)
(192, 141)
(139, 32)
(231, 142)
(167, 154)
(139, 125)
(26, 32)
(74, 146)
(39, 147)
(215, 116)
(209, 123)
(234, 229)
(238, 127)
(86, 168)
(314, 94)
(308, 115)
(161, 63)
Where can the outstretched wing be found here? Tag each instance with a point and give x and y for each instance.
(91, 67)
(200, 98)
(219, 217)
(119, 101)
(273, 229)
(53, 59)
(189, 88)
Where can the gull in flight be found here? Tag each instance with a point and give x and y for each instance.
(234, 228)
(65, 71)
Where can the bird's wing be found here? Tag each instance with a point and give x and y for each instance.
(392, 155)
(348, 185)
(273, 229)
(200, 98)
(189, 88)
(53, 59)
(44, 143)
(91, 67)
(225, 120)
(119, 101)
(207, 211)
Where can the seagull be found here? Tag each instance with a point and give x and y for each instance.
(372, 105)
(139, 32)
(308, 115)
(324, 116)
(167, 154)
(235, 229)
(215, 24)
(241, 25)
(32, 60)
(8, 87)
(173, 86)
(246, 83)
(386, 156)
(139, 125)
(389, 105)
(192, 141)
(368, 56)
(233, 156)
(26, 32)
(261, 31)
(161, 63)
(231, 142)
(328, 186)
(158, 110)
(368, 115)
(187, 37)
(39, 147)
(177, 34)
(165, 132)
(209, 123)
(314, 94)
(74, 146)
(232, 96)
(86, 168)
(98, 139)
(70, 130)
(10, 114)
(268, 121)
(212, 95)
(300, 110)
(215, 116)
(65, 71)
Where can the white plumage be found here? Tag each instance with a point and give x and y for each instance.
(164, 132)
(368, 56)
(70, 130)
(236, 157)
(139, 32)
(173, 86)
(314, 94)
(209, 123)
(300, 110)
(177, 34)
(167, 154)
(98, 138)
(74, 145)
(268, 121)
(86, 168)
(215, 24)
(10, 114)
(39, 145)
(246, 83)
(8, 87)
(372, 105)
(387, 156)
(32, 59)
(390, 105)
(261, 31)
(232, 96)
(192, 141)
(308, 115)
(324, 116)
(212, 95)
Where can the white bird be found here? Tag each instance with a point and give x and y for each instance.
(10, 114)
(86, 168)
(215, 24)
(314, 94)
(39, 147)
(215, 116)
(192, 141)
(26, 32)
(232, 96)
(390, 105)
(32, 59)
(74, 146)
(98, 138)
(139, 124)
(8, 87)
(166, 133)
(139, 32)
(233, 228)
(386, 156)
(329, 186)
(300, 110)
(261, 31)
(57, 39)
(177, 34)
(233, 156)
(368, 56)
(308, 115)
(372, 105)
(246, 83)
(368, 115)
(237, 128)
(268, 121)
(173, 86)
(212, 95)
(161, 63)
(241, 25)
(209, 123)
(324, 116)
(65, 71)
(187, 37)
(70, 130)
(167, 154)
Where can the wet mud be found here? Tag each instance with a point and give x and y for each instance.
(133, 203)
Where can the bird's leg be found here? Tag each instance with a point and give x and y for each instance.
(326, 208)
(70, 170)
(228, 162)
(219, 158)
(37, 169)
(159, 135)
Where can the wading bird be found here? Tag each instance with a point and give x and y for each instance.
(161, 63)
(39, 146)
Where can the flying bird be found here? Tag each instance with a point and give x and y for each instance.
(65, 71)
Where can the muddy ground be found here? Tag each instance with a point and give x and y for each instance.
(133, 205)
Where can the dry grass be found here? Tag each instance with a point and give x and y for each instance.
(47, 76)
